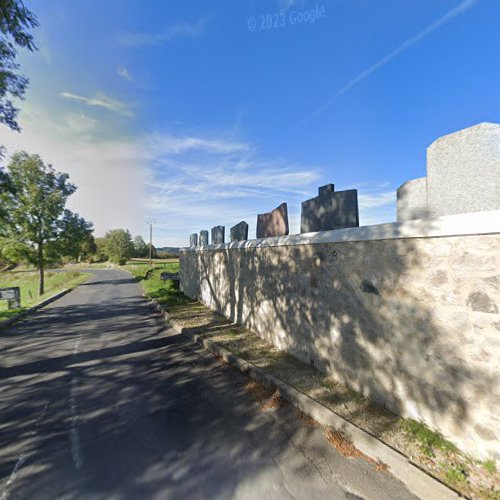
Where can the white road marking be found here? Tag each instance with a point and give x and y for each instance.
(23, 457)
(13, 474)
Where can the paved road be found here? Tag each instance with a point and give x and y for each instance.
(100, 400)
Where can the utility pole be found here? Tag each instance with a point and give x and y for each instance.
(150, 242)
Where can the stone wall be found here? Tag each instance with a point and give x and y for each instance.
(410, 322)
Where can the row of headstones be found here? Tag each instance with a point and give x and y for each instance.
(328, 211)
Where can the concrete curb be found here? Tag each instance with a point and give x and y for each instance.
(31, 310)
(418, 482)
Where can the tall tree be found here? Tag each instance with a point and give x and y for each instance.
(75, 232)
(119, 245)
(140, 247)
(36, 218)
(15, 22)
(101, 250)
(89, 248)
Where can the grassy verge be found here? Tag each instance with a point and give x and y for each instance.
(27, 280)
(422, 445)
(164, 293)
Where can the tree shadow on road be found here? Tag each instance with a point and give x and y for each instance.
(153, 416)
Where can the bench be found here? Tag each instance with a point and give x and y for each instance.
(12, 296)
(171, 277)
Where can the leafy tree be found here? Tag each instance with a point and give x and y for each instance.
(36, 220)
(15, 22)
(140, 247)
(101, 252)
(119, 246)
(89, 248)
(5, 187)
(75, 232)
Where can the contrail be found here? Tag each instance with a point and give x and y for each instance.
(459, 9)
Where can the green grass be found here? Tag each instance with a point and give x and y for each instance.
(27, 280)
(428, 439)
(490, 466)
(150, 278)
(456, 475)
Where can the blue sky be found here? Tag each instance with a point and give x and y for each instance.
(179, 112)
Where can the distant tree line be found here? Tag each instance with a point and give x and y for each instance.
(118, 246)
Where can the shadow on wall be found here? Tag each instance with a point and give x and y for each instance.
(410, 323)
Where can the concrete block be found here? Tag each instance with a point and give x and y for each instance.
(239, 232)
(218, 233)
(330, 210)
(274, 223)
(463, 176)
(193, 240)
(203, 238)
(463, 171)
(412, 200)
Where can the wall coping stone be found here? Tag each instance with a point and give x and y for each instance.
(473, 223)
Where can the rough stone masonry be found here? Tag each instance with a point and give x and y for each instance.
(412, 324)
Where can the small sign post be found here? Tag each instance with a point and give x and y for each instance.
(174, 277)
(12, 296)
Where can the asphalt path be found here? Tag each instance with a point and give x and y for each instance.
(100, 400)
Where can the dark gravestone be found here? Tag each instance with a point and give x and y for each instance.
(193, 240)
(218, 235)
(239, 232)
(203, 238)
(274, 223)
(330, 210)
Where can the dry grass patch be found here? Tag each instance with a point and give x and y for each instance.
(267, 398)
(306, 419)
(275, 402)
(345, 447)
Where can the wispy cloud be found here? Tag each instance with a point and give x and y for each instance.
(286, 4)
(108, 168)
(101, 100)
(124, 73)
(198, 181)
(195, 182)
(461, 8)
(179, 30)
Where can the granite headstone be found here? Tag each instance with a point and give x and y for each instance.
(330, 210)
(274, 223)
(218, 235)
(239, 232)
(203, 238)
